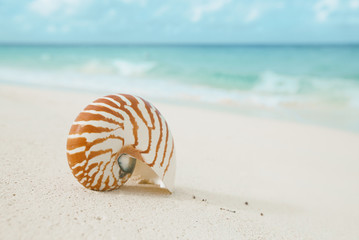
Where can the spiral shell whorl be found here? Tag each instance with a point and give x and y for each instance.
(115, 125)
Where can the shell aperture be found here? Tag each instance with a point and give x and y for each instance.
(127, 164)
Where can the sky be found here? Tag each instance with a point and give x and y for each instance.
(179, 21)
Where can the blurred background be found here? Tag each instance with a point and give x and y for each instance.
(294, 60)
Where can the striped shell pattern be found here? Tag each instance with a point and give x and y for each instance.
(115, 126)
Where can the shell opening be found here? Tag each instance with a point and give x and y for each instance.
(144, 174)
(137, 171)
(127, 164)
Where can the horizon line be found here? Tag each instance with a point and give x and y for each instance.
(173, 44)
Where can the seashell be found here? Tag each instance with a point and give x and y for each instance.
(118, 136)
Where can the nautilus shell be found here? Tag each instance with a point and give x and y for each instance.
(117, 136)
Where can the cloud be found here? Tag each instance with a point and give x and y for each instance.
(140, 2)
(44, 7)
(354, 4)
(323, 9)
(51, 29)
(199, 10)
(161, 11)
(253, 14)
(48, 7)
(111, 13)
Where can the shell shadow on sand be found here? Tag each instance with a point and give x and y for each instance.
(227, 202)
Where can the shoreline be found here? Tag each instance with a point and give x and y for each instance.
(304, 179)
(282, 115)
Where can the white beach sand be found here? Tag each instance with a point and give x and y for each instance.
(304, 179)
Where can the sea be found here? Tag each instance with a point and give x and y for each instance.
(311, 84)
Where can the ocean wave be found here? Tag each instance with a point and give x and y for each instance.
(270, 82)
(271, 91)
(116, 67)
(95, 67)
(274, 83)
(127, 68)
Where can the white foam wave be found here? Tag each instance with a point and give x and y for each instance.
(116, 67)
(126, 68)
(274, 83)
(272, 91)
(94, 67)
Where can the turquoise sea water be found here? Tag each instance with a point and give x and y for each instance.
(313, 84)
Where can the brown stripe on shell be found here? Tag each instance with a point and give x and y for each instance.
(132, 119)
(134, 105)
(97, 153)
(81, 128)
(87, 116)
(169, 160)
(164, 152)
(76, 158)
(73, 143)
(159, 139)
(103, 109)
(148, 109)
(98, 183)
(100, 140)
(108, 102)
